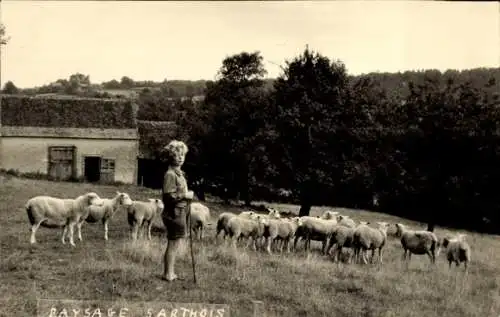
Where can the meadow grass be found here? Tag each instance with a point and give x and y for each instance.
(293, 284)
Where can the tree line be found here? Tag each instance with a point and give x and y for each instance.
(423, 144)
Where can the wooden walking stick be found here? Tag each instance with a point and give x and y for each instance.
(191, 241)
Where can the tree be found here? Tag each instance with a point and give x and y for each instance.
(236, 105)
(309, 98)
(126, 82)
(3, 41)
(10, 88)
(77, 84)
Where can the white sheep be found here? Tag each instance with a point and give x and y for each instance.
(346, 221)
(223, 219)
(141, 215)
(313, 228)
(367, 238)
(67, 212)
(104, 212)
(243, 227)
(279, 229)
(418, 242)
(328, 214)
(343, 237)
(457, 250)
(200, 218)
(222, 223)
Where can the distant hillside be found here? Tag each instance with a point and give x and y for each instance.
(395, 83)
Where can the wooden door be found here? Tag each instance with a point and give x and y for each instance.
(61, 162)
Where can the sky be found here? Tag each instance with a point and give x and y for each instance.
(158, 40)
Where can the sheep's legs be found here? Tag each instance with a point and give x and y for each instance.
(268, 247)
(150, 224)
(380, 255)
(135, 230)
(336, 256)
(248, 243)
(34, 228)
(431, 257)
(365, 254)
(105, 230)
(79, 228)
(254, 244)
(71, 234)
(64, 233)
(295, 243)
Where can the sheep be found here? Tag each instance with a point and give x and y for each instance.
(457, 250)
(418, 242)
(245, 228)
(222, 223)
(313, 228)
(200, 218)
(224, 218)
(345, 221)
(141, 214)
(367, 238)
(282, 229)
(104, 212)
(65, 211)
(328, 214)
(343, 237)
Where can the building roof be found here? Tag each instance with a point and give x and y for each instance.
(49, 111)
(154, 135)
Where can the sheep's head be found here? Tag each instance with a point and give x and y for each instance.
(341, 217)
(328, 214)
(263, 220)
(383, 225)
(124, 199)
(93, 199)
(248, 214)
(252, 215)
(364, 223)
(158, 203)
(298, 221)
(399, 229)
(274, 213)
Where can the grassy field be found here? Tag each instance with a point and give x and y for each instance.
(289, 285)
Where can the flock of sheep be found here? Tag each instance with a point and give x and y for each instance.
(51, 212)
(268, 231)
(274, 230)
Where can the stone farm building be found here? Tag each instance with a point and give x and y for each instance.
(80, 138)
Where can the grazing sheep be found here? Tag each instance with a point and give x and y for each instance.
(222, 223)
(242, 227)
(313, 228)
(65, 211)
(224, 218)
(200, 218)
(457, 250)
(104, 212)
(141, 215)
(279, 229)
(418, 242)
(367, 238)
(343, 237)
